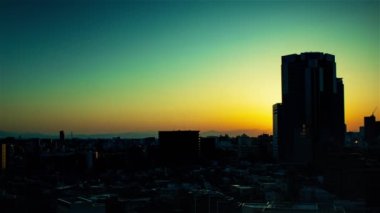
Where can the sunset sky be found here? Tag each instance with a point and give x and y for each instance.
(145, 66)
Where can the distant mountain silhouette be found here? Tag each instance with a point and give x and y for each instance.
(25, 135)
(234, 133)
(4, 134)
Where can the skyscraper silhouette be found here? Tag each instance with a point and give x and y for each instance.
(310, 121)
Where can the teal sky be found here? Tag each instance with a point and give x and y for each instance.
(208, 65)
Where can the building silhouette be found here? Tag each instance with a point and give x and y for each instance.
(309, 123)
(207, 148)
(3, 153)
(277, 132)
(372, 131)
(61, 135)
(179, 147)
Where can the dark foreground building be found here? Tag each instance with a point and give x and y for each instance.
(309, 123)
(179, 147)
(372, 132)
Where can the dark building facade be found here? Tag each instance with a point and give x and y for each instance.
(3, 155)
(309, 123)
(207, 148)
(61, 135)
(372, 131)
(276, 131)
(179, 147)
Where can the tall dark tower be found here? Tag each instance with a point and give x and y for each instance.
(310, 123)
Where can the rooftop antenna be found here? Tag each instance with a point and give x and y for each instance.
(373, 112)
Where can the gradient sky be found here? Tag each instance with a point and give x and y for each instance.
(147, 66)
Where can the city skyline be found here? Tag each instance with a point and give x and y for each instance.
(146, 66)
